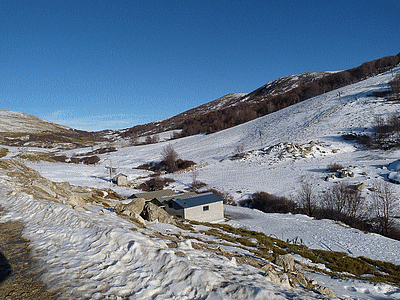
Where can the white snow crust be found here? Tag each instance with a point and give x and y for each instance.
(92, 255)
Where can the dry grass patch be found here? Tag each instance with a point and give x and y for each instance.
(3, 152)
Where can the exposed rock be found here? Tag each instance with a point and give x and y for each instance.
(267, 268)
(286, 262)
(152, 212)
(360, 186)
(281, 279)
(137, 218)
(44, 186)
(76, 201)
(300, 279)
(324, 291)
(136, 206)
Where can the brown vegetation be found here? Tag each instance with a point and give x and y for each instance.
(272, 204)
(155, 184)
(333, 167)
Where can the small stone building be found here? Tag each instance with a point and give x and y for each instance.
(206, 207)
(120, 179)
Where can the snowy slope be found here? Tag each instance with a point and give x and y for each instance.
(15, 121)
(90, 255)
(108, 258)
(322, 119)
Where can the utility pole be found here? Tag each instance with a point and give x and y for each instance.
(110, 168)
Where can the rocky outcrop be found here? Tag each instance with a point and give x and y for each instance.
(152, 212)
(281, 279)
(286, 262)
(31, 182)
(135, 206)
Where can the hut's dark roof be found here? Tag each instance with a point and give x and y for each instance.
(197, 200)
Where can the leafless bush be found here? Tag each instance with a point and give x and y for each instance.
(384, 205)
(155, 184)
(184, 164)
(333, 167)
(343, 203)
(395, 88)
(152, 139)
(239, 151)
(196, 184)
(272, 204)
(306, 197)
(169, 157)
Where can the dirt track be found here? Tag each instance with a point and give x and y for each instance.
(18, 279)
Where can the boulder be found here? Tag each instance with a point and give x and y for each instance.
(281, 279)
(286, 262)
(152, 212)
(360, 186)
(75, 201)
(137, 218)
(324, 291)
(136, 206)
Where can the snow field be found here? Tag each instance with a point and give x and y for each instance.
(95, 255)
(91, 255)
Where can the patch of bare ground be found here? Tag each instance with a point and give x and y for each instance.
(18, 279)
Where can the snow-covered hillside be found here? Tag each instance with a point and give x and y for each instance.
(97, 255)
(317, 123)
(15, 121)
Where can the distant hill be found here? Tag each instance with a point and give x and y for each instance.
(21, 129)
(237, 108)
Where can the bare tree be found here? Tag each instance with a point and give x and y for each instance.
(152, 139)
(355, 208)
(239, 151)
(195, 181)
(343, 203)
(306, 197)
(169, 157)
(395, 87)
(385, 205)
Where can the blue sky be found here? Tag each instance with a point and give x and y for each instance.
(114, 64)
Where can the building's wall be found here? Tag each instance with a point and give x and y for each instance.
(175, 210)
(122, 180)
(215, 212)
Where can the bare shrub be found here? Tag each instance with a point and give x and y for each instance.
(87, 160)
(342, 203)
(272, 204)
(395, 88)
(196, 184)
(155, 184)
(238, 152)
(333, 167)
(169, 157)
(184, 164)
(306, 197)
(384, 205)
(152, 139)
(90, 160)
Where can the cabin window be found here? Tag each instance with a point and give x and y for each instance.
(206, 208)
